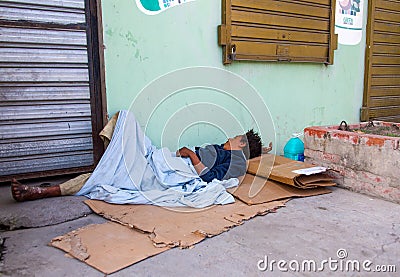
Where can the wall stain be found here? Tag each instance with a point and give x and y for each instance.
(318, 114)
(133, 43)
(109, 32)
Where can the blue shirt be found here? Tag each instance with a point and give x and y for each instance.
(221, 164)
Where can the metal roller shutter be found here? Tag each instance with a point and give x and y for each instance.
(382, 64)
(47, 110)
(278, 30)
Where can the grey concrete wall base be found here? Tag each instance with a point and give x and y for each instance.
(38, 213)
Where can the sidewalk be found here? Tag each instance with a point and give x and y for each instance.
(313, 228)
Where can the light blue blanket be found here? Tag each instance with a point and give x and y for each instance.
(133, 171)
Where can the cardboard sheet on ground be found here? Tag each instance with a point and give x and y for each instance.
(282, 171)
(147, 230)
(256, 190)
(181, 227)
(108, 247)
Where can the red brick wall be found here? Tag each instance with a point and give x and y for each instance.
(364, 163)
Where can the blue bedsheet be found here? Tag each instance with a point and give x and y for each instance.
(134, 171)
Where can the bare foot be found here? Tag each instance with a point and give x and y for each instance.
(22, 192)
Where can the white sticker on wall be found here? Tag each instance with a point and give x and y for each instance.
(152, 7)
(349, 21)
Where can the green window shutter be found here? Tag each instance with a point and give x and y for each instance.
(269, 30)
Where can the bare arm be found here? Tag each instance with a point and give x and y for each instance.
(187, 153)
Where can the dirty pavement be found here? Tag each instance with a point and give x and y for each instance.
(342, 226)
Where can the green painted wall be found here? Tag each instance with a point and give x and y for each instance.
(140, 48)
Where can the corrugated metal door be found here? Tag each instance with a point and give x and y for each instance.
(382, 64)
(47, 109)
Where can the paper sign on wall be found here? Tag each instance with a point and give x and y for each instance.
(349, 21)
(152, 7)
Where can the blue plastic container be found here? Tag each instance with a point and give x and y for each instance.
(294, 148)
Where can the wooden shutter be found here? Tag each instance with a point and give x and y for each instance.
(269, 30)
(382, 63)
(50, 89)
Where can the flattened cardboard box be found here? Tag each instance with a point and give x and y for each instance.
(182, 227)
(107, 247)
(256, 190)
(281, 169)
(141, 231)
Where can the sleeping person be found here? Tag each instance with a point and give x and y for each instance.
(133, 170)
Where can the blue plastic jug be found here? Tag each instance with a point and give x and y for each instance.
(294, 148)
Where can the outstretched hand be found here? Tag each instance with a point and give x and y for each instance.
(268, 149)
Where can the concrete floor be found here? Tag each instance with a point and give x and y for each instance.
(313, 228)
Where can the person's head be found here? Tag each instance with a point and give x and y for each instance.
(250, 143)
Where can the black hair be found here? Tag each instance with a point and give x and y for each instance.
(253, 146)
